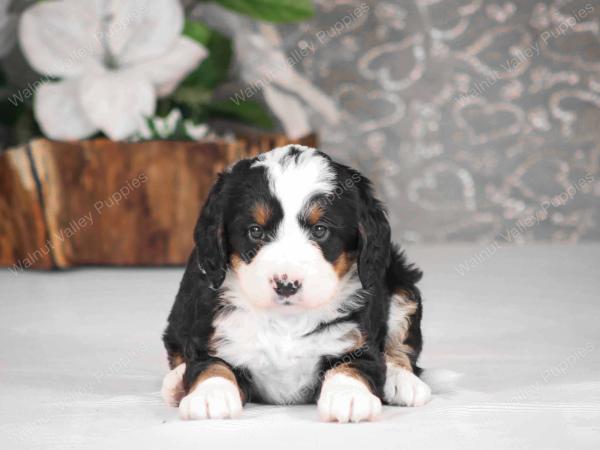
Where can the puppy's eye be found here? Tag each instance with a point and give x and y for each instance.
(255, 232)
(319, 232)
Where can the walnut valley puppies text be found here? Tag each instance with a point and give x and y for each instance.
(122, 194)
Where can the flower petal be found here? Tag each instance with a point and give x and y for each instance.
(117, 102)
(165, 127)
(252, 47)
(59, 113)
(196, 132)
(60, 38)
(142, 29)
(319, 101)
(167, 70)
(261, 58)
(289, 111)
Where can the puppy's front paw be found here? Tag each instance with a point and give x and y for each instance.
(404, 388)
(172, 387)
(214, 398)
(346, 399)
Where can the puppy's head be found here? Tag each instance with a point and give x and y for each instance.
(290, 228)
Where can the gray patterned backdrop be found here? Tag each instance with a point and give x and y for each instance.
(477, 120)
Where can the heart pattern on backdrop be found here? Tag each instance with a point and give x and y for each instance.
(446, 103)
(498, 120)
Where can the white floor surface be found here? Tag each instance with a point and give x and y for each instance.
(81, 361)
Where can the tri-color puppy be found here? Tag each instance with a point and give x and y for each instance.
(293, 294)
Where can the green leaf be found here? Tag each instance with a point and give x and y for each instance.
(191, 95)
(214, 69)
(197, 31)
(249, 111)
(180, 133)
(9, 113)
(272, 10)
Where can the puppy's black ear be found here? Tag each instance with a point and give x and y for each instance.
(209, 235)
(373, 236)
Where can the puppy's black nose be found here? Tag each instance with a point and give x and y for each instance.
(286, 288)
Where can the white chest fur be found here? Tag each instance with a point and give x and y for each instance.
(282, 359)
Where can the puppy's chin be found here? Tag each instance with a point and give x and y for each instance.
(294, 305)
(290, 309)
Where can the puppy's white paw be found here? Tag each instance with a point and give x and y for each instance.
(214, 398)
(404, 388)
(346, 399)
(172, 387)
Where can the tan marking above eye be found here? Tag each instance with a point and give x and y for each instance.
(315, 213)
(261, 214)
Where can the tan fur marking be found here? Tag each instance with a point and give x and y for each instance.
(217, 370)
(398, 356)
(349, 371)
(343, 264)
(261, 214)
(236, 260)
(405, 298)
(396, 351)
(175, 360)
(315, 214)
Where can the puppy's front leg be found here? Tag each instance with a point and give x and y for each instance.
(214, 394)
(346, 396)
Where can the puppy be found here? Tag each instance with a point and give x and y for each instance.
(293, 294)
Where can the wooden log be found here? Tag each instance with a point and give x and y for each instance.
(99, 202)
(23, 238)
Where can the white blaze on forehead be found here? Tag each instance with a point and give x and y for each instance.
(295, 179)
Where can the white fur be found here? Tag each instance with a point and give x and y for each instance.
(172, 387)
(291, 254)
(214, 398)
(346, 399)
(398, 315)
(274, 346)
(404, 388)
(296, 180)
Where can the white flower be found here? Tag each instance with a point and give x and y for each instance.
(194, 131)
(114, 57)
(262, 61)
(166, 128)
